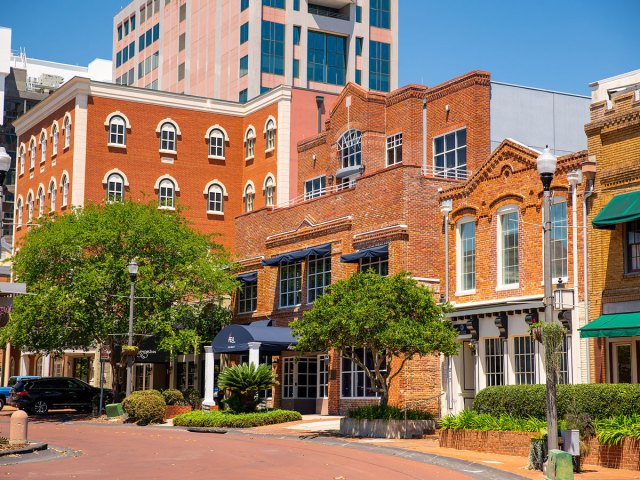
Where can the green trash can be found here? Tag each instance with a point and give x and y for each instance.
(114, 410)
(560, 466)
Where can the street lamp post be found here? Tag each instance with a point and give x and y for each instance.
(546, 164)
(133, 273)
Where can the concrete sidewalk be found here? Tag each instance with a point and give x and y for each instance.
(319, 426)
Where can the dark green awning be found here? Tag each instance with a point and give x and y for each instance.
(620, 209)
(613, 325)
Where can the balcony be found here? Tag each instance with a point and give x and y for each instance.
(452, 173)
(335, 4)
(322, 8)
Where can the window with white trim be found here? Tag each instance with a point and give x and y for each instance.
(494, 361)
(249, 195)
(67, 132)
(315, 187)
(43, 147)
(168, 137)
(40, 201)
(450, 154)
(216, 143)
(318, 276)
(524, 360)
(64, 185)
(248, 297)
(54, 139)
(215, 199)
(19, 212)
(29, 207)
(117, 131)
(559, 243)
(22, 155)
(52, 195)
(290, 284)
(508, 258)
(350, 148)
(249, 144)
(394, 149)
(466, 254)
(271, 135)
(355, 382)
(288, 373)
(269, 192)
(166, 194)
(323, 376)
(115, 188)
(32, 154)
(379, 265)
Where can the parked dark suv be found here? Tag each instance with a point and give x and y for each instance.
(40, 395)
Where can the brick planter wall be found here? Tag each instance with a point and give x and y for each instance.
(175, 410)
(505, 443)
(625, 456)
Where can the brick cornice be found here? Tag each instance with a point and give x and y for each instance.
(312, 142)
(308, 229)
(392, 232)
(470, 79)
(614, 122)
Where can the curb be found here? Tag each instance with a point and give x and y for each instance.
(30, 449)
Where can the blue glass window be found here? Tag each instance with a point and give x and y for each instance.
(243, 96)
(126, 27)
(133, 23)
(380, 16)
(296, 5)
(358, 76)
(120, 32)
(244, 65)
(156, 31)
(132, 49)
(296, 68)
(273, 3)
(244, 33)
(264, 89)
(296, 34)
(358, 14)
(244, 4)
(272, 59)
(148, 39)
(125, 54)
(141, 43)
(326, 58)
(118, 59)
(359, 42)
(379, 66)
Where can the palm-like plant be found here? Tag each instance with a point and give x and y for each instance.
(243, 383)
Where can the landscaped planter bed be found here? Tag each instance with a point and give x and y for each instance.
(505, 443)
(626, 455)
(175, 410)
(386, 428)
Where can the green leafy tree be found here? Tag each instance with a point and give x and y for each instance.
(75, 268)
(243, 383)
(394, 318)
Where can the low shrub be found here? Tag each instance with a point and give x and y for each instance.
(145, 406)
(173, 397)
(388, 412)
(470, 420)
(235, 420)
(612, 431)
(597, 400)
(192, 397)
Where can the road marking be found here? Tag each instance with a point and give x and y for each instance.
(491, 461)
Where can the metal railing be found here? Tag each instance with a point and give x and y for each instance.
(327, 12)
(453, 173)
(316, 194)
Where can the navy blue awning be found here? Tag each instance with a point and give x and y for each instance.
(248, 277)
(319, 251)
(380, 251)
(236, 338)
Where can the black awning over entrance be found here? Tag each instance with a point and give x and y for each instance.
(374, 252)
(236, 338)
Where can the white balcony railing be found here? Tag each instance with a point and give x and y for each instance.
(316, 194)
(454, 173)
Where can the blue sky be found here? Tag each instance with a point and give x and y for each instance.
(560, 45)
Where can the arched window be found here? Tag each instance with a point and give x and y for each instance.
(22, 155)
(249, 195)
(52, 195)
(54, 139)
(350, 147)
(117, 131)
(115, 188)
(270, 132)
(249, 143)
(40, 201)
(32, 153)
(64, 186)
(66, 126)
(166, 194)
(269, 191)
(19, 212)
(30, 207)
(43, 147)
(216, 143)
(168, 137)
(215, 199)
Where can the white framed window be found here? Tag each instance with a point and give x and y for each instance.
(40, 201)
(30, 207)
(315, 187)
(323, 376)
(305, 377)
(288, 375)
(249, 196)
(32, 153)
(249, 143)
(166, 194)
(354, 382)
(466, 255)
(19, 213)
(394, 149)
(559, 242)
(216, 143)
(215, 199)
(64, 186)
(168, 137)
(450, 154)
(66, 126)
(494, 361)
(248, 297)
(21, 155)
(379, 265)
(290, 284)
(350, 148)
(270, 134)
(52, 195)
(54, 139)
(508, 247)
(117, 131)
(115, 188)
(524, 360)
(43, 147)
(269, 191)
(318, 276)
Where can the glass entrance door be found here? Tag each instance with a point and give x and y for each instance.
(143, 376)
(622, 367)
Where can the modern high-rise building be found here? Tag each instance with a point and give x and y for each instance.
(237, 49)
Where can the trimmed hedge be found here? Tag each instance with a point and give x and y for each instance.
(378, 412)
(598, 400)
(199, 418)
(173, 397)
(145, 406)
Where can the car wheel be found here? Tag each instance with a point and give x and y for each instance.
(40, 407)
(2, 402)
